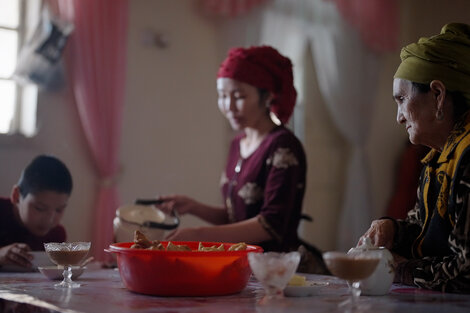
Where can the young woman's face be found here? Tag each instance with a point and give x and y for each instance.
(417, 111)
(42, 211)
(240, 103)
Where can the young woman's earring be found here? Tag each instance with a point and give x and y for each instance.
(439, 115)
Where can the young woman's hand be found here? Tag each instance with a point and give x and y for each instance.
(183, 234)
(16, 254)
(186, 205)
(178, 203)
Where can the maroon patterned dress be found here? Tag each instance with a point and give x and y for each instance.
(270, 184)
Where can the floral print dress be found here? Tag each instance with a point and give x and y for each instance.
(268, 184)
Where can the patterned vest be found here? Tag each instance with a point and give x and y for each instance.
(438, 199)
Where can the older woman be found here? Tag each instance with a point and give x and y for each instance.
(263, 183)
(432, 90)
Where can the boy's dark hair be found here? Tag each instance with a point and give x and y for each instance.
(45, 172)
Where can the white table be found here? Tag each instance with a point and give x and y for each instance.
(102, 291)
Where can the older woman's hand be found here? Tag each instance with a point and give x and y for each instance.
(180, 204)
(380, 233)
(398, 262)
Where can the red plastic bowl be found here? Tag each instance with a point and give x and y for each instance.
(183, 273)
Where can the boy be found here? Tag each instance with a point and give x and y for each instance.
(32, 214)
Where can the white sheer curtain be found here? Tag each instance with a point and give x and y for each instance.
(347, 74)
(282, 32)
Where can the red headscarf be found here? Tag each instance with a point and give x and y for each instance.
(264, 67)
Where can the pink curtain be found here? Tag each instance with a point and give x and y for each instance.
(376, 21)
(96, 65)
(229, 8)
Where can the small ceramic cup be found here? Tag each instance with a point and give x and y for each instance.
(381, 280)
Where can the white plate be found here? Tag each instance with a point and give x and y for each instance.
(311, 288)
(40, 258)
(16, 268)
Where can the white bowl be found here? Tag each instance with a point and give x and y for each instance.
(55, 272)
(130, 218)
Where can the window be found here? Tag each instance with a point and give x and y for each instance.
(17, 102)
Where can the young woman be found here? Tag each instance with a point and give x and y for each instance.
(263, 183)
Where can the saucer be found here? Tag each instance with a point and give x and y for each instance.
(309, 289)
(55, 272)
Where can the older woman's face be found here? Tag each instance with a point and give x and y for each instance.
(417, 111)
(240, 103)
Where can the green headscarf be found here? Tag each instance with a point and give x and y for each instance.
(444, 57)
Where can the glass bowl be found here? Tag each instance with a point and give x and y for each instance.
(67, 254)
(274, 270)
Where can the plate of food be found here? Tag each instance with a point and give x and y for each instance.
(299, 286)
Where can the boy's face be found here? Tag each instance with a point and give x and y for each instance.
(42, 211)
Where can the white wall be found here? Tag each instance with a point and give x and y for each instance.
(174, 135)
(326, 149)
(174, 139)
(58, 134)
(419, 18)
